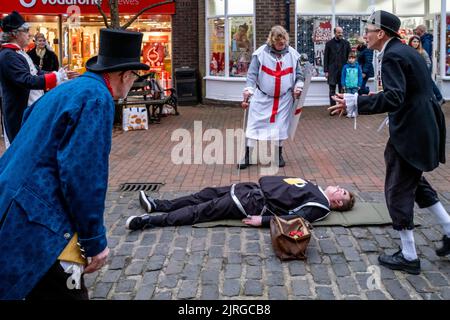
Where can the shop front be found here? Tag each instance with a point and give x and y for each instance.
(227, 56)
(72, 28)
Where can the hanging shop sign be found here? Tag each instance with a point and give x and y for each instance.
(86, 6)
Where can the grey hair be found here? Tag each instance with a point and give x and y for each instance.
(6, 37)
(276, 33)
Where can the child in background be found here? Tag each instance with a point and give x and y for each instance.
(351, 78)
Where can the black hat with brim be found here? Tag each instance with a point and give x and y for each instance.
(119, 50)
(386, 21)
(12, 22)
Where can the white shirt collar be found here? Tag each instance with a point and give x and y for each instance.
(323, 192)
(381, 53)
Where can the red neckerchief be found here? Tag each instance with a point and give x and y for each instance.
(108, 83)
(11, 46)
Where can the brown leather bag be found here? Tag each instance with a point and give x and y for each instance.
(290, 238)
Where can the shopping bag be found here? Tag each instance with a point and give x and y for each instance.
(134, 118)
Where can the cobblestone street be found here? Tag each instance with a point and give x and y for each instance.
(239, 263)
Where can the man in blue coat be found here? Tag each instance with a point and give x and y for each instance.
(54, 176)
(417, 136)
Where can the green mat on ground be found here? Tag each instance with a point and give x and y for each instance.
(363, 214)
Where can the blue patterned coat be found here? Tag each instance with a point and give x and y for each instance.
(53, 182)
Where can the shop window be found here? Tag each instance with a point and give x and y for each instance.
(313, 33)
(353, 28)
(231, 37)
(410, 7)
(407, 27)
(314, 7)
(447, 47)
(386, 5)
(216, 46)
(216, 7)
(241, 47)
(353, 6)
(240, 6)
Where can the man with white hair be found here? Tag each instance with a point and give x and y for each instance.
(22, 84)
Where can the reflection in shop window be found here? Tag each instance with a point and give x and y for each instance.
(313, 33)
(217, 47)
(241, 45)
(353, 28)
(447, 47)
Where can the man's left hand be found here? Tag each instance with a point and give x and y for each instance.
(254, 221)
(340, 106)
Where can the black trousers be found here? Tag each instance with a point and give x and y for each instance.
(53, 286)
(333, 91)
(405, 184)
(209, 204)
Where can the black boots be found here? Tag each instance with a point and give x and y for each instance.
(244, 163)
(445, 250)
(281, 162)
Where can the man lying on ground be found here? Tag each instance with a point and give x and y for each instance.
(252, 202)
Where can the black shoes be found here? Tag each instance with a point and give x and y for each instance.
(147, 202)
(445, 250)
(246, 161)
(398, 262)
(138, 222)
(281, 162)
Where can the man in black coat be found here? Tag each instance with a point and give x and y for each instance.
(417, 135)
(335, 56)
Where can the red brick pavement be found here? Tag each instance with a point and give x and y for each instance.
(326, 150)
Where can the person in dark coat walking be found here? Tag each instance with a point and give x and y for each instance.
(417, 135)
(43, 57)
(253, 203)
(365, 60)
(335, 56)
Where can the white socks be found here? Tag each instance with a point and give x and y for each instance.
(442, 216)
(408, 245)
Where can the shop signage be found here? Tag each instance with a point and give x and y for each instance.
(86, 6)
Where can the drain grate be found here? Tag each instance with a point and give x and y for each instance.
(138, 186)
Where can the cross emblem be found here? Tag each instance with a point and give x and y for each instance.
(277, 73)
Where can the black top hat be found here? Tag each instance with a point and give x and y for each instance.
(385, 20)
(12, 22)
(119, 50)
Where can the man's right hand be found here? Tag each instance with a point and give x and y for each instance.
(97, 261)
(245, 102)
(326, 75)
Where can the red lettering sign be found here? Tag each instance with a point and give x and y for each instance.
(86, 6)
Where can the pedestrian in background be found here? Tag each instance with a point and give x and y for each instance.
(335, 56)
(42, 54)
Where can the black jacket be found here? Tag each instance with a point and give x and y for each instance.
(365, 60)
(416, 122)
(335, 56)
(16, 81)
(50, 60)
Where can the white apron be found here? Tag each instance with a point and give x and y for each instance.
(270, 107)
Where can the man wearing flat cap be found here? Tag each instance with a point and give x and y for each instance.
(53, 178)
(417, 135)
(22, 84)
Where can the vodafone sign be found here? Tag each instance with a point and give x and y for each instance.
(86, 6)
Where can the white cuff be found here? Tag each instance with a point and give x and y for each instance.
(61, 76)
(249, 89)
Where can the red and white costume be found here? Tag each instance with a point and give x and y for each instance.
(271, 80)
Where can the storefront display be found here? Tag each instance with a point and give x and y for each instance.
(230, 30)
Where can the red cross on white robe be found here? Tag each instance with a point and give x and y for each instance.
(278, 73)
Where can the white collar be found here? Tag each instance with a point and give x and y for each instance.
(323, 192)
(381, 53)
